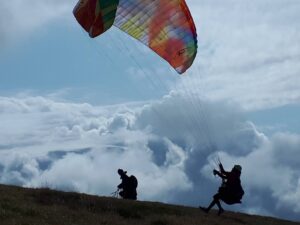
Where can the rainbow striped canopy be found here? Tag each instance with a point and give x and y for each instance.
(165, 26)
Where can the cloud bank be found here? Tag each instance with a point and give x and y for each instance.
(20, 18)
(79, 147)
(248, 51)
(248, 54)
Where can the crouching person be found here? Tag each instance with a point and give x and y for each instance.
(128, 185)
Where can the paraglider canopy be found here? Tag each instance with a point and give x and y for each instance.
(165, 26)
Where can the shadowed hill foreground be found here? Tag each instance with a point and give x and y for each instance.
(22, 206)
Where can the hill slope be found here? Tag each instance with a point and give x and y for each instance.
(21, 206)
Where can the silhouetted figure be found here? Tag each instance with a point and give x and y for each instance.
(231, 191)
(128, 185)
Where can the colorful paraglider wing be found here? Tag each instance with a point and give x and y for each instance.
(96, 16)
(166, 26)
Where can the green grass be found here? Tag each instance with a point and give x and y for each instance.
(21, 206)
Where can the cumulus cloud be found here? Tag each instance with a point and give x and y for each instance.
(19, 18)
(271, 176)
(248, 54)
(248, 51)
(169, 145)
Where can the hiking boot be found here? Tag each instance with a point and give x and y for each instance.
(220, 211)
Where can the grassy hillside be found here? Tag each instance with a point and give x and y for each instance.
(20, 206)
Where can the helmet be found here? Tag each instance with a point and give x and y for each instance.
(238, 168)
(120, 172)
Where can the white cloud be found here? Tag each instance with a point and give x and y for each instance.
(271, 174)
(167, 144)
(19, 18)
(248, 54)
(248, 51)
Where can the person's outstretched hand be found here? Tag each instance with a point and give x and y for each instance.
(215, 172)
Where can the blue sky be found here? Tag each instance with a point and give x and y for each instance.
(68, 101)
(62, 57)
